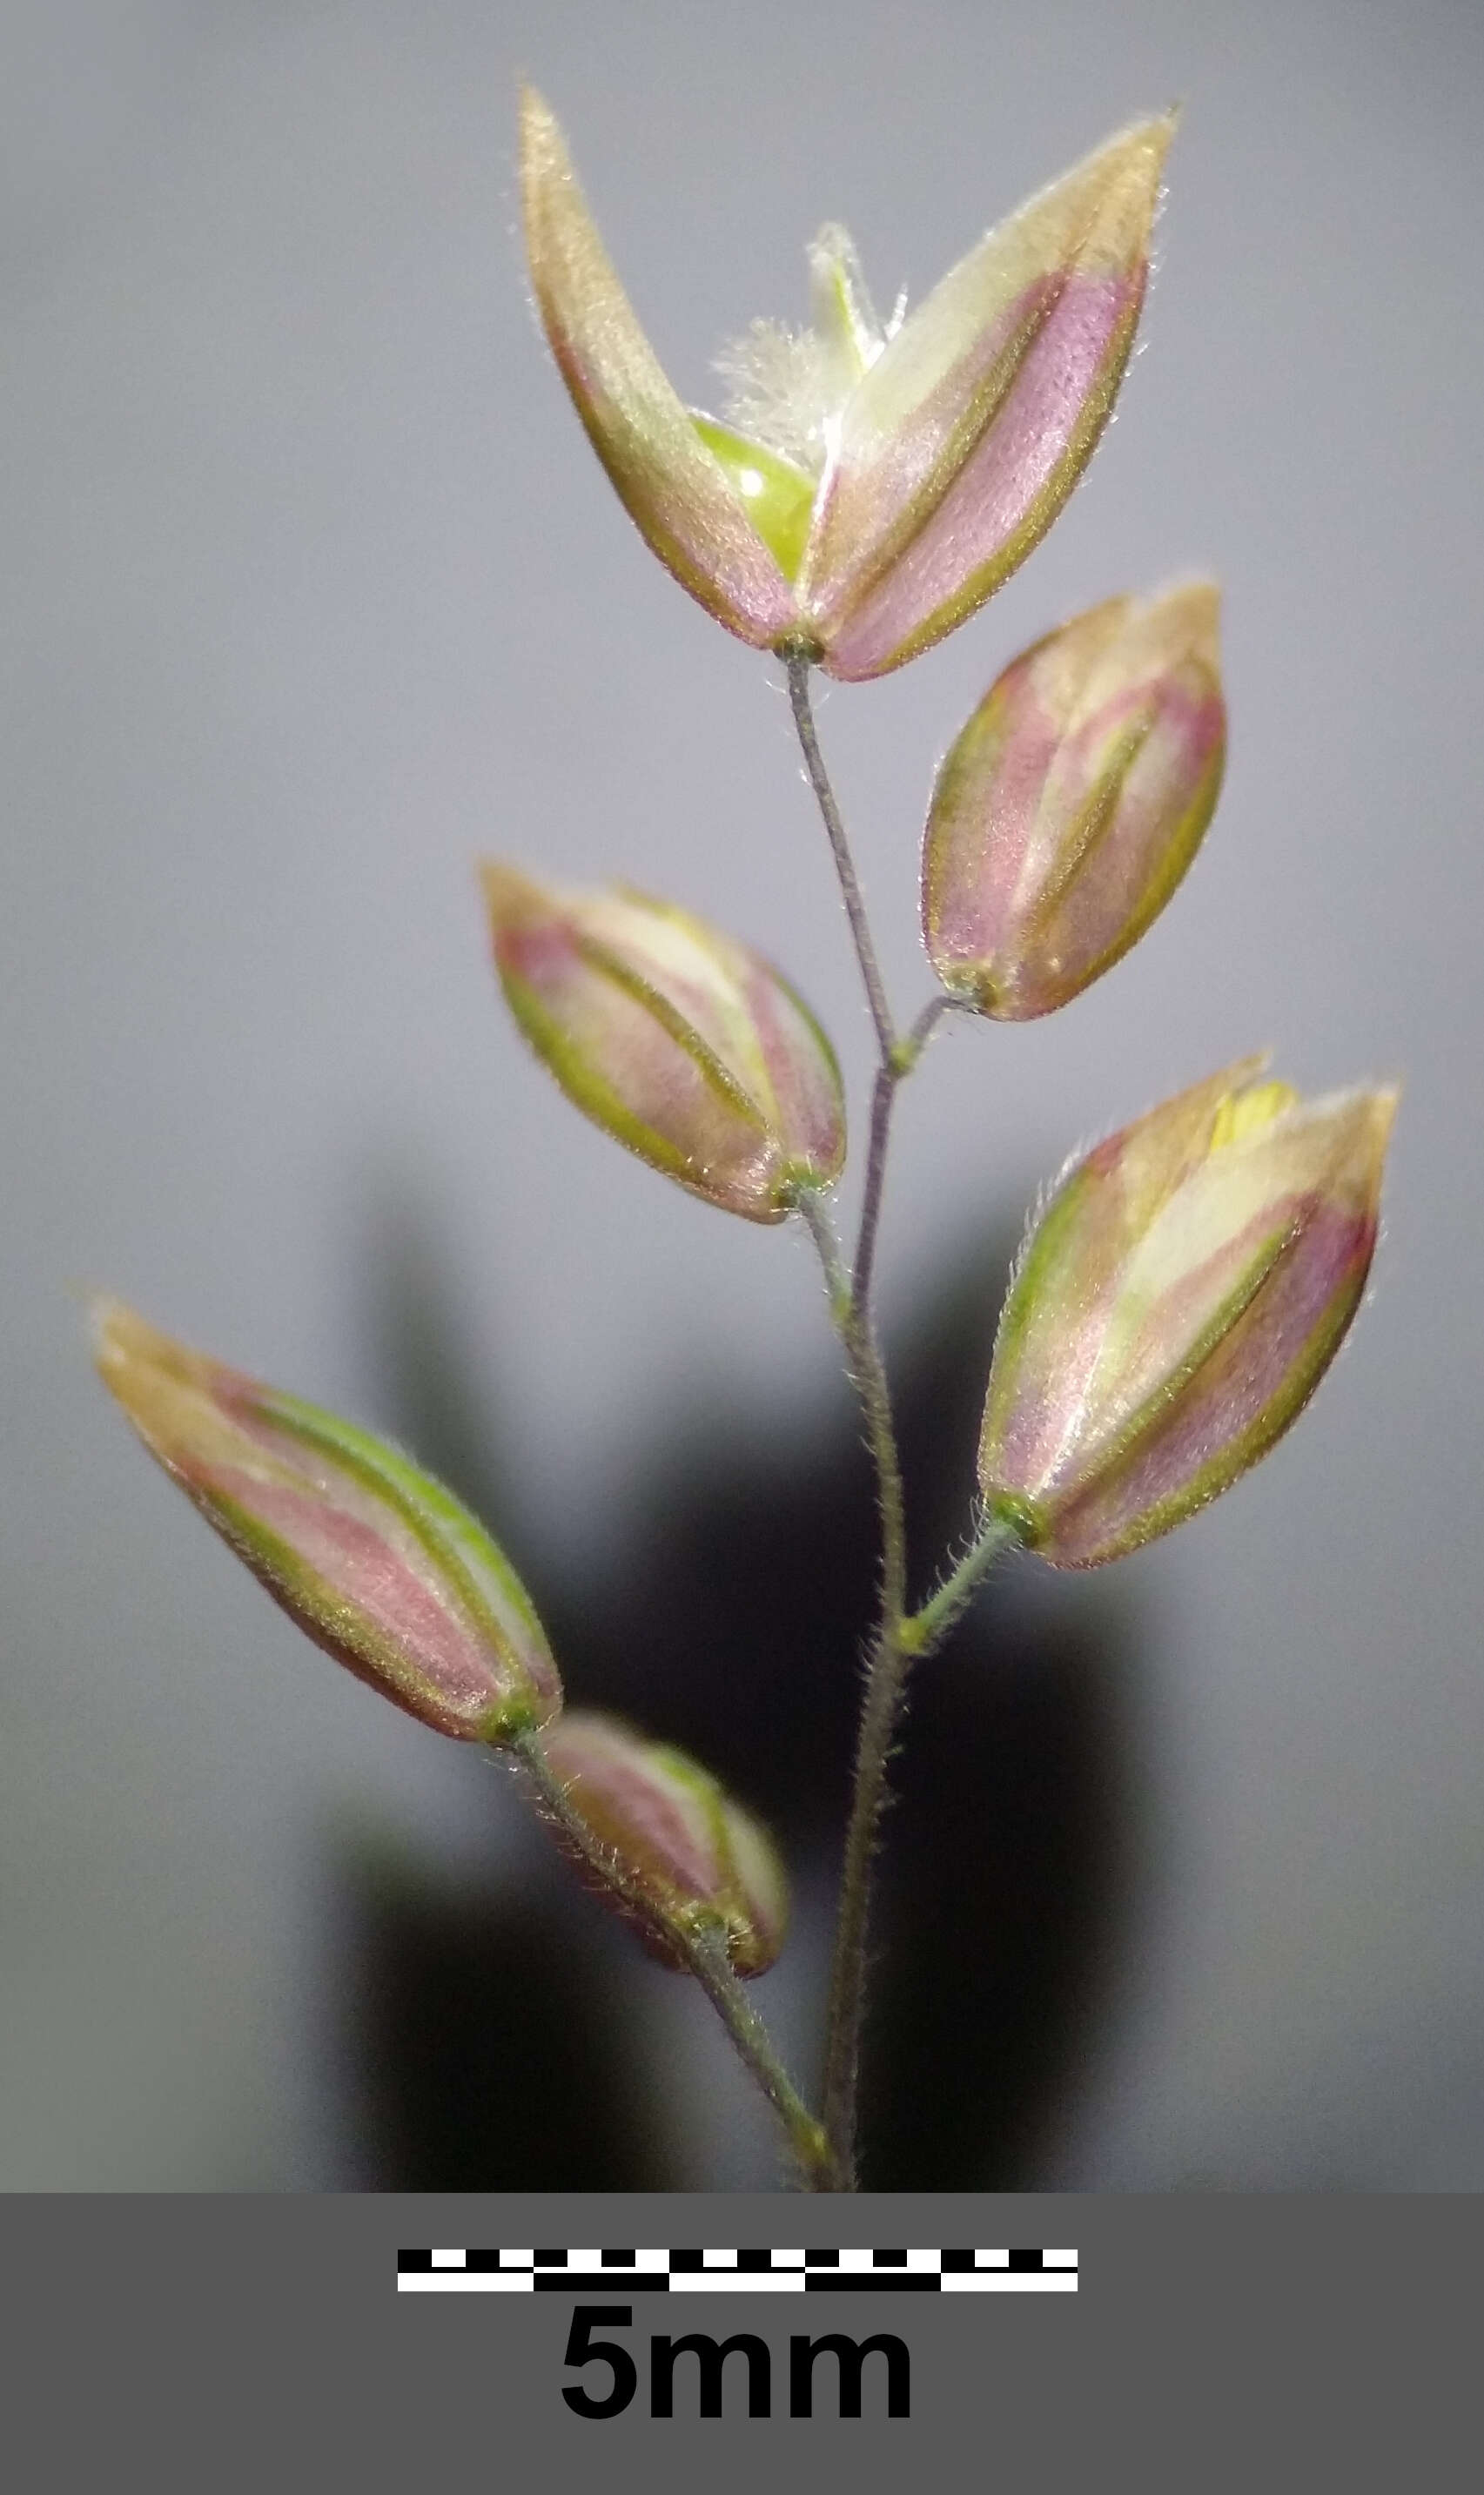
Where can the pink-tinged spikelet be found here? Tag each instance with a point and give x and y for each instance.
(1179, 1300)
(376, 1561)
(873, 484)
(683, 1044)
(1070, 805)
(667, 480)
(962, 442)
(694, 1855)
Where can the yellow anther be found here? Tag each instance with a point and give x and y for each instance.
(1247, 1113)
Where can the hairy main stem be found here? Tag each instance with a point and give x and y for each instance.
(845, 864)
(901, 1641)
(702, 1945)
(891, 1652)
(867, 1374)
(891, 1073)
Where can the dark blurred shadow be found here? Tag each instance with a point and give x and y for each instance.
(490, 2048)
(734, 1626)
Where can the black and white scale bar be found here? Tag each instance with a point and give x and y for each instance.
(577, 2271)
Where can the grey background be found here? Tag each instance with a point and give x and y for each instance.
(315, 593)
